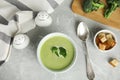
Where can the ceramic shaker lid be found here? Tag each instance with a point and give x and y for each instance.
(21, 41)
(43, 19)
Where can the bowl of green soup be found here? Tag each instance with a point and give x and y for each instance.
(56, 52)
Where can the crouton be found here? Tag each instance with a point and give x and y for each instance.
(102, 46)
(114, 62)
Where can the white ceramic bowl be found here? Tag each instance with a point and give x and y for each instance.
(105, 31)
(42, 42)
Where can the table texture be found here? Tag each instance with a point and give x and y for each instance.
(23, 64)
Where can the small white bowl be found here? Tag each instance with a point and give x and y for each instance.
(40, 46)
(105, 31)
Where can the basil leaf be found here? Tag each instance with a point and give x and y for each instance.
(62, 52)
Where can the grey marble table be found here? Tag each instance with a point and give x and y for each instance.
(23, 64)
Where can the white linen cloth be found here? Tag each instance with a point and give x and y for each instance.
(8, 26)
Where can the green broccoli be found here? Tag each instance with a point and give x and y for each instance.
(112, 5)
(92, 5)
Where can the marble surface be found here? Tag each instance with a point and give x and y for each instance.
(23, 64)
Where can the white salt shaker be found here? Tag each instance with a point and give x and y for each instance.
(21, 41)
(43, 19)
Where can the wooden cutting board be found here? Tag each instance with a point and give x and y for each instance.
(113, 21)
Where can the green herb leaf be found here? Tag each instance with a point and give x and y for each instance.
(55, 50)
(62, 52)
(59, 51)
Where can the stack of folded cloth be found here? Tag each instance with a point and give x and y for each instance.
(16, 14)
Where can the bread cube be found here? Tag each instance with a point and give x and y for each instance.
(102, 37)
(114, 62)
(111, 42)
(107, 46)
(109, 36)
(102, 46)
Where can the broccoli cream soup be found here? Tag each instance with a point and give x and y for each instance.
(57, 53)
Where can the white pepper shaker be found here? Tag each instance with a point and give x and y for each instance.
(21, 41)
(43, 19)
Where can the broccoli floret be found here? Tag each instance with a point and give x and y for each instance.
(97, 6)
(112, 5)
(92, 5)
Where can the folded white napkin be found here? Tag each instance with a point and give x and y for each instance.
(21, 8)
